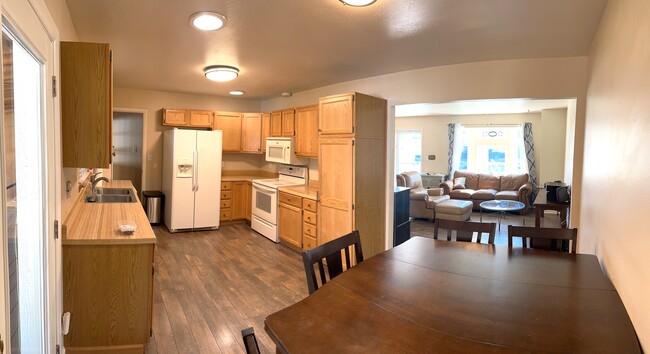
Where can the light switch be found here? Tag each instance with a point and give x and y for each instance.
(149, 157)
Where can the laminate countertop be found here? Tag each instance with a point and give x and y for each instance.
(309, 192)
(97, 223)
(246, 178)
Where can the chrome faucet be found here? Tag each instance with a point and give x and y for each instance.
(93, 183)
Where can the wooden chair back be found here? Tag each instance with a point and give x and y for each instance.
(553, 234)
(250, 342)
(331, 253)
(466, 226)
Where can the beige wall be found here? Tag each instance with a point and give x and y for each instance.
(552, 141)
(616, 191)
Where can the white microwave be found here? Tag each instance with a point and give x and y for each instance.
(282, 150)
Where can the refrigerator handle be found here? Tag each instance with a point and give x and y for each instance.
(196, 171)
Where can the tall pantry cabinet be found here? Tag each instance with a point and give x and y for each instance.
(352, 169)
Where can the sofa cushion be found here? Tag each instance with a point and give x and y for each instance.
(412, 179)
(513, 182)
(461, 194)
(506, 195)
(489, 182)
(484, 194)
(471, 179)
(459, 183)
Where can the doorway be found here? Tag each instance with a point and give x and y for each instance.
(127, 147)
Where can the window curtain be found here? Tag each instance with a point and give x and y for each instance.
(529, 146)
(455, 135)
(451, 128)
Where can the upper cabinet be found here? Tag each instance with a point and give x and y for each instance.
(187, 118)
(306, 122)
(230, 124)
(276, 124)
(201, 119)
(266, 129)
(337, 115)
(86, 104)
(251, 134)
(288, 125)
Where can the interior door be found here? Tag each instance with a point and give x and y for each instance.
(30, 140)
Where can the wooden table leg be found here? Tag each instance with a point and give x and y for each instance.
(538, 214)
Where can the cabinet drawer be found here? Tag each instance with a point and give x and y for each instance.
(291, 199)
(309, 217)
(226, 194)
(309, 205)
(226, 186)
(309, 230)
(225, 203)
(308, 242)
(226, 214)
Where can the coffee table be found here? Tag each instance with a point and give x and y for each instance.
(502, 207)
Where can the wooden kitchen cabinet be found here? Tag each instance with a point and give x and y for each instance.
(266, 129)
(248, 200)
(251, 133)
(352, 169)
(201, 119)
(290, 219)
(306, 122)
(276, 124)
(309, 220)
(288, 122)
(236, 199)
(175, 117)
(226, 202)
(230, 124)
(86, 104)
(239, 200)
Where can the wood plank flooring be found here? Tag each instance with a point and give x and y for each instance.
(209, 285)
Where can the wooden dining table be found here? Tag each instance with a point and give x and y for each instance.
(430, 296)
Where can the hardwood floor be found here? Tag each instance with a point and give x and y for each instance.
(210, 285)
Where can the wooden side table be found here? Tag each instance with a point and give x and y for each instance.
(541, 204)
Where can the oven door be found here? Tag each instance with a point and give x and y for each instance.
(265, 203)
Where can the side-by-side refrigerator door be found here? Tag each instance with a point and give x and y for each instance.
(207, 200)
(183, 175)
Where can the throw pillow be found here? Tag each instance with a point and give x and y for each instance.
(459, 183)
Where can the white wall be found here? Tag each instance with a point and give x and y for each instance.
(616, 191)
(552, 141)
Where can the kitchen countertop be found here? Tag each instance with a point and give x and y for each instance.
(309, 192)
(97, 223)
(241, 178)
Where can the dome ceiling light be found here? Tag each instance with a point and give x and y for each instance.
(207, 21)
(221, 73)
(358, 3)
(237, 92)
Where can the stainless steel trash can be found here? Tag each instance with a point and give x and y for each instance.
(153, 205)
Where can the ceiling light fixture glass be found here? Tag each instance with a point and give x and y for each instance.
(236, 92)
(207, 21)
(221, 73)
(358, 3)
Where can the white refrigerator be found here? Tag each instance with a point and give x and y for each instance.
(192, 179)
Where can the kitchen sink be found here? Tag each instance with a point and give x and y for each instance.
(114, 191)
(113, 195)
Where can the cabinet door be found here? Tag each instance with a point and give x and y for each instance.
(290, 224)
(336, 172)
(230, 124)
(288, 117)
(251, 134)
(276, 123)
(336, 115)
(266, 129)
(306, 120)
(248, 200)
(202, 119)
(239, 200)
(175, 117)
(86, 104)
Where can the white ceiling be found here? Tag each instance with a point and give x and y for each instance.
(473, 107)
(295, 45)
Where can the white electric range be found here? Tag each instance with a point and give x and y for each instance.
(264, 208)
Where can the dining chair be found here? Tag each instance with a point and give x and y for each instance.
(467, 227)
(331, 252)
(536, 234)
(250, 342)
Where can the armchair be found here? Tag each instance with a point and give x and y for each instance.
(422, 201)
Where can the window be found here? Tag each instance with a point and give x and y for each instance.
(409, 151)
(493, 150)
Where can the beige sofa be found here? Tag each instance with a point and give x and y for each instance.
(482, 187)
(423, 201)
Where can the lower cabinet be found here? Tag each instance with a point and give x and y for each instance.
(108, 290)
(236, 200)
(297, 221)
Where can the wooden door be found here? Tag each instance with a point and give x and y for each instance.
(239, 200)
(248, 199)
(336, 115)
(230, 124)
(276, 124)
(175, 117)
(201, 119)
(288, 125)
(266, 129)
(251, 134)
(336, 171)
(290, 224)
(306, 120)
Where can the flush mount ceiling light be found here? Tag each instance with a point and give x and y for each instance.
(236, 92)
(207, 21)
(221, 73)
(357, 3)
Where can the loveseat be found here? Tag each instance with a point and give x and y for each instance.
(422, 201)
(479, 187)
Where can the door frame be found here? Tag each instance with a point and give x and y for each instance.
(15, 12)
(143, 112)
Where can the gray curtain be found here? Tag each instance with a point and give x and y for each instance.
(450, 156)
(530, 156)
